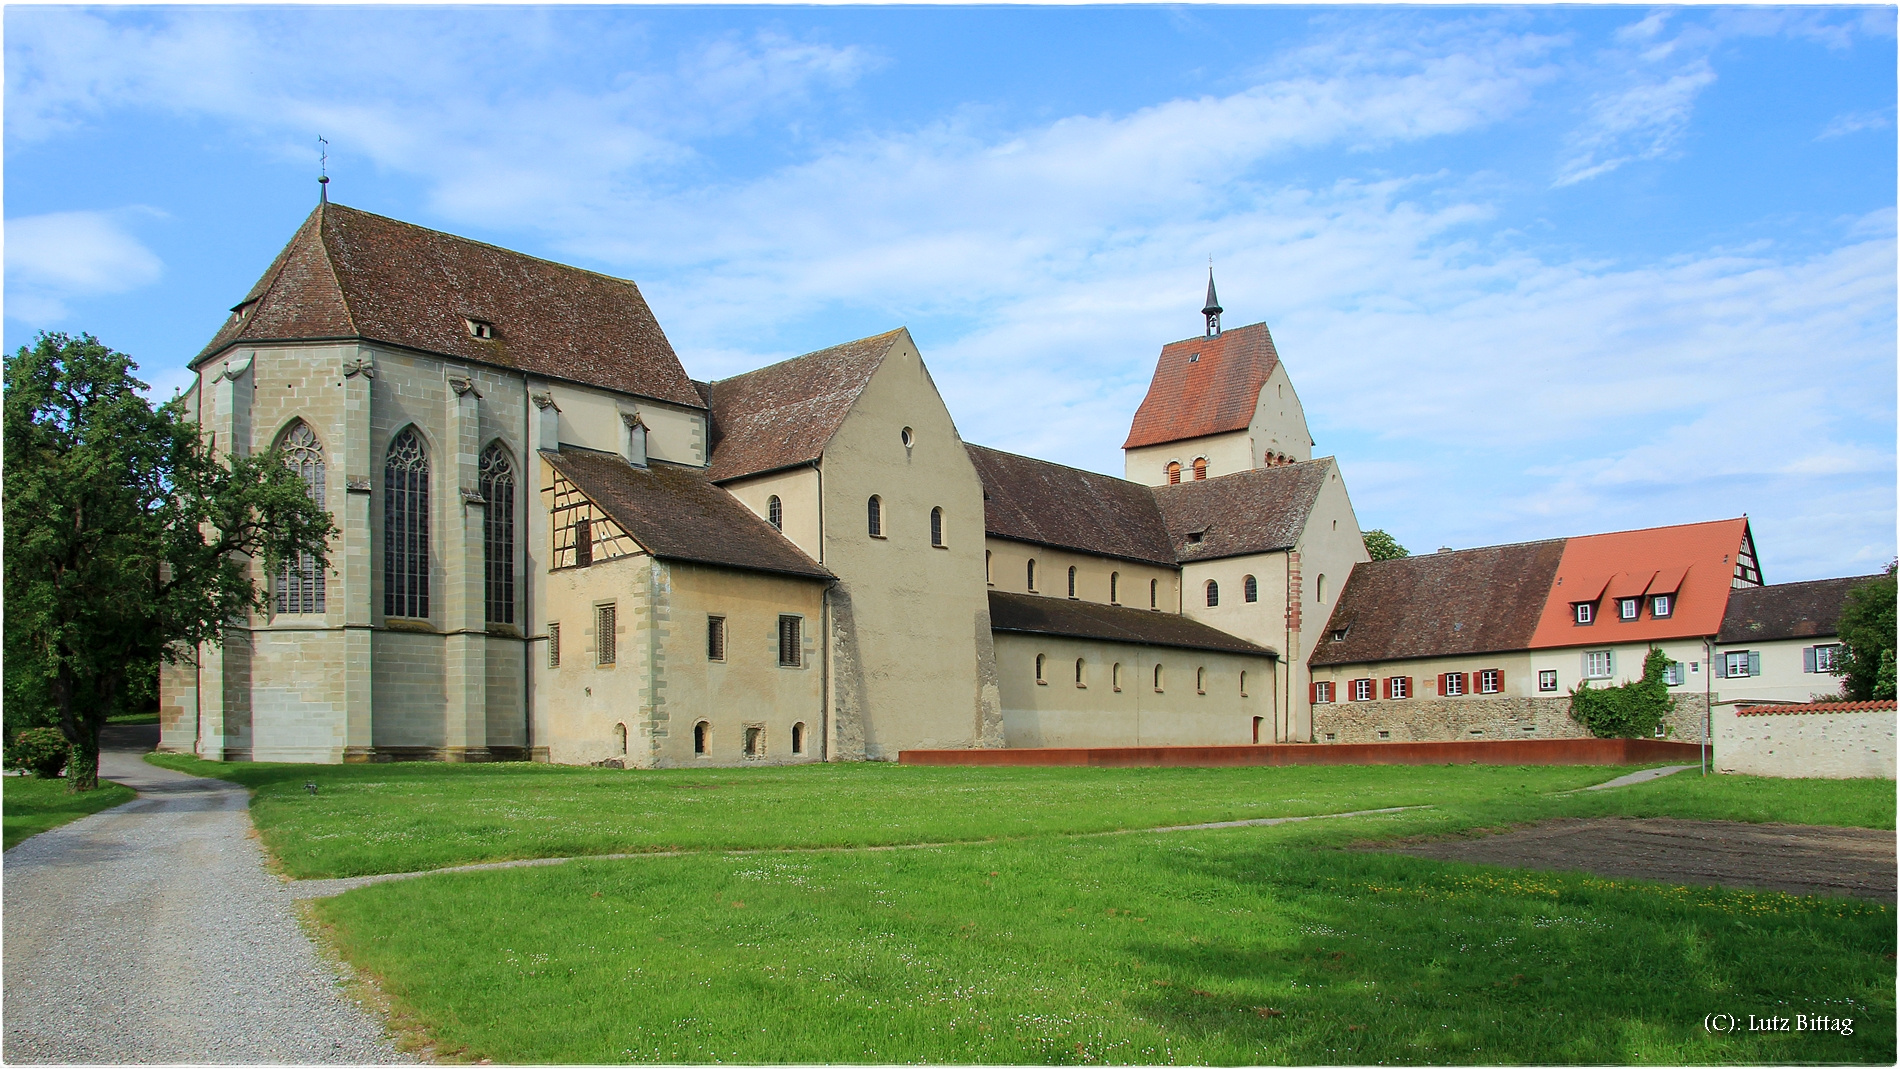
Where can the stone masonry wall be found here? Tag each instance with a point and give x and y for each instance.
(1475, 717)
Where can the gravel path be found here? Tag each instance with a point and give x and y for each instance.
(152, 933)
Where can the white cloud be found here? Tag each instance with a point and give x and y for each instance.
(60, 256)
(1853, 122)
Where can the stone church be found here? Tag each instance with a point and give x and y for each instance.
(556, 545)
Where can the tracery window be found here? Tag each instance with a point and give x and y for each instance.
(300, 580)
(498, 535)
(406, 527)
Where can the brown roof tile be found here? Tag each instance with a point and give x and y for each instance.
(1879, 706)
(1032, 614)
(348, 273)
(785, 414)
(1256, 511)
(678, 514)
(1441, 604)
(1204, 386)
(1031, 500)
(1787, 610)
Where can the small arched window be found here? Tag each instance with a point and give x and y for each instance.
(1114, 588)
(987, 577)
(1213, 593)
(775, 512)
(1080, 679)
(406, 527)
(1157, 679)
(1115, 676)
(936, 527)
(1243, 693)
(798, 738)
(700, 732)
(1249, 589)
(1200, 467)
(1032, 574)
(1319, 588)
(1154, 593)
(874, 515)
(1174, 472)
(498, 536)
(300, 581)
(620, 738)
(1040, 659)
(1200, 681)
(1072, 580)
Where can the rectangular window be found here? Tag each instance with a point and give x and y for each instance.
(604, 634)
(1451, 684)
(1740, 664)
(1661, 606)
(1490, 681)
(1399, 687)
(583, 543)
(1585, 611)
(1362, 690)
(1675, 675)
(790, 643)
(715, 638)
(1547, 680)
(1598, 664)
(1628, 608)
(554, 645)
(1821, 658)
(1322, 692)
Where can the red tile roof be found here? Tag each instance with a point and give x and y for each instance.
(1886, 706)
(1599, 568)
(1204, 386)
(784, 415)
(350, 274)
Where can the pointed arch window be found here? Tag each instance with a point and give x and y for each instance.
(300, 580)
(406, 527)
(498, 535)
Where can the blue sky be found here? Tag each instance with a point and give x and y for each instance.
(1534, 271)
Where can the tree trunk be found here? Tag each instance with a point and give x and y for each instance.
(82, 771)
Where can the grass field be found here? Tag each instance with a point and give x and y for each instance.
(33, 805)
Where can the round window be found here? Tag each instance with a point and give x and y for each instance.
(909, 438)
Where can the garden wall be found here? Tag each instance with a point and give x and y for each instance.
(1496, 752)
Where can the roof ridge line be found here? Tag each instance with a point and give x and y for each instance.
(801, 356)
(486, 245)
(329, 264)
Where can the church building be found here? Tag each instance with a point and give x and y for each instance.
(556, 545)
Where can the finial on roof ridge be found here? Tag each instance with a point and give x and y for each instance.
(323, 170)
(1212, 309)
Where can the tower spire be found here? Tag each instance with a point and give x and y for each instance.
(1213, 309)
(323, 172)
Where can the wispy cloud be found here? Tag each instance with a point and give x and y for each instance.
(1853, 122)
(54, 258)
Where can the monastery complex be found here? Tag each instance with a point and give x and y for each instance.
(556, 545)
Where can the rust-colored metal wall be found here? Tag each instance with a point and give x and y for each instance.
(1503, 752)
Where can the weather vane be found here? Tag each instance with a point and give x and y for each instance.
(323, 169)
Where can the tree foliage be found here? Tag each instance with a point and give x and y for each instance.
(1867, 639)
(1382, 546)
(1629, 711)
(128, 538)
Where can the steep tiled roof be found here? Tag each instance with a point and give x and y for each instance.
(1204, 386)
(785, 414)
(1787, 610)
(348, 273)
(1440, 604)
(1256, 511)
(1697, 559)
(1886, 706)
(1110, 623)
(678, 514)
(1049, 504)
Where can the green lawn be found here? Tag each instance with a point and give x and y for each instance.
(1253, 945)
(33, 805)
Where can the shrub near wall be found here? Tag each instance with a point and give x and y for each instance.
(1633, 710)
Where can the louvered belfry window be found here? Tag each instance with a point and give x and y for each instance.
(406, 527)
(300, 580)
(498, 535)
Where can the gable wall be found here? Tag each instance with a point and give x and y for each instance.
(797, 491)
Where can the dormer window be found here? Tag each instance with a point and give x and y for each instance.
(1194, 537)
(1628, 608)
(1585, 611)
(1194, 358)
(480, 329)
(242, 311)
(1661, 606)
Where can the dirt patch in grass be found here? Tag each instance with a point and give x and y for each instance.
(1799, 859)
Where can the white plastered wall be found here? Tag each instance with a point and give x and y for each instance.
(1058, 712)
(1784, 677)
(1802, 745)
(1225, 453)
(1278, 427)
(797, 491)
(1008, 563)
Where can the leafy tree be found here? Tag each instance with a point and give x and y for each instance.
(1629, 711)
(1867, 639)
(128, 539)
(1382, 546)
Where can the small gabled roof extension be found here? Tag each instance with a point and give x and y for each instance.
(784, 415)
(1787, 610)
(1204, 386)
(350, 274)
(678, 514)
(1467, 601)
(1256, 511)
(1036, 615)
(1029, 500)
(1694, 561)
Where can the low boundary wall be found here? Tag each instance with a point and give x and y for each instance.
(1499, 752)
